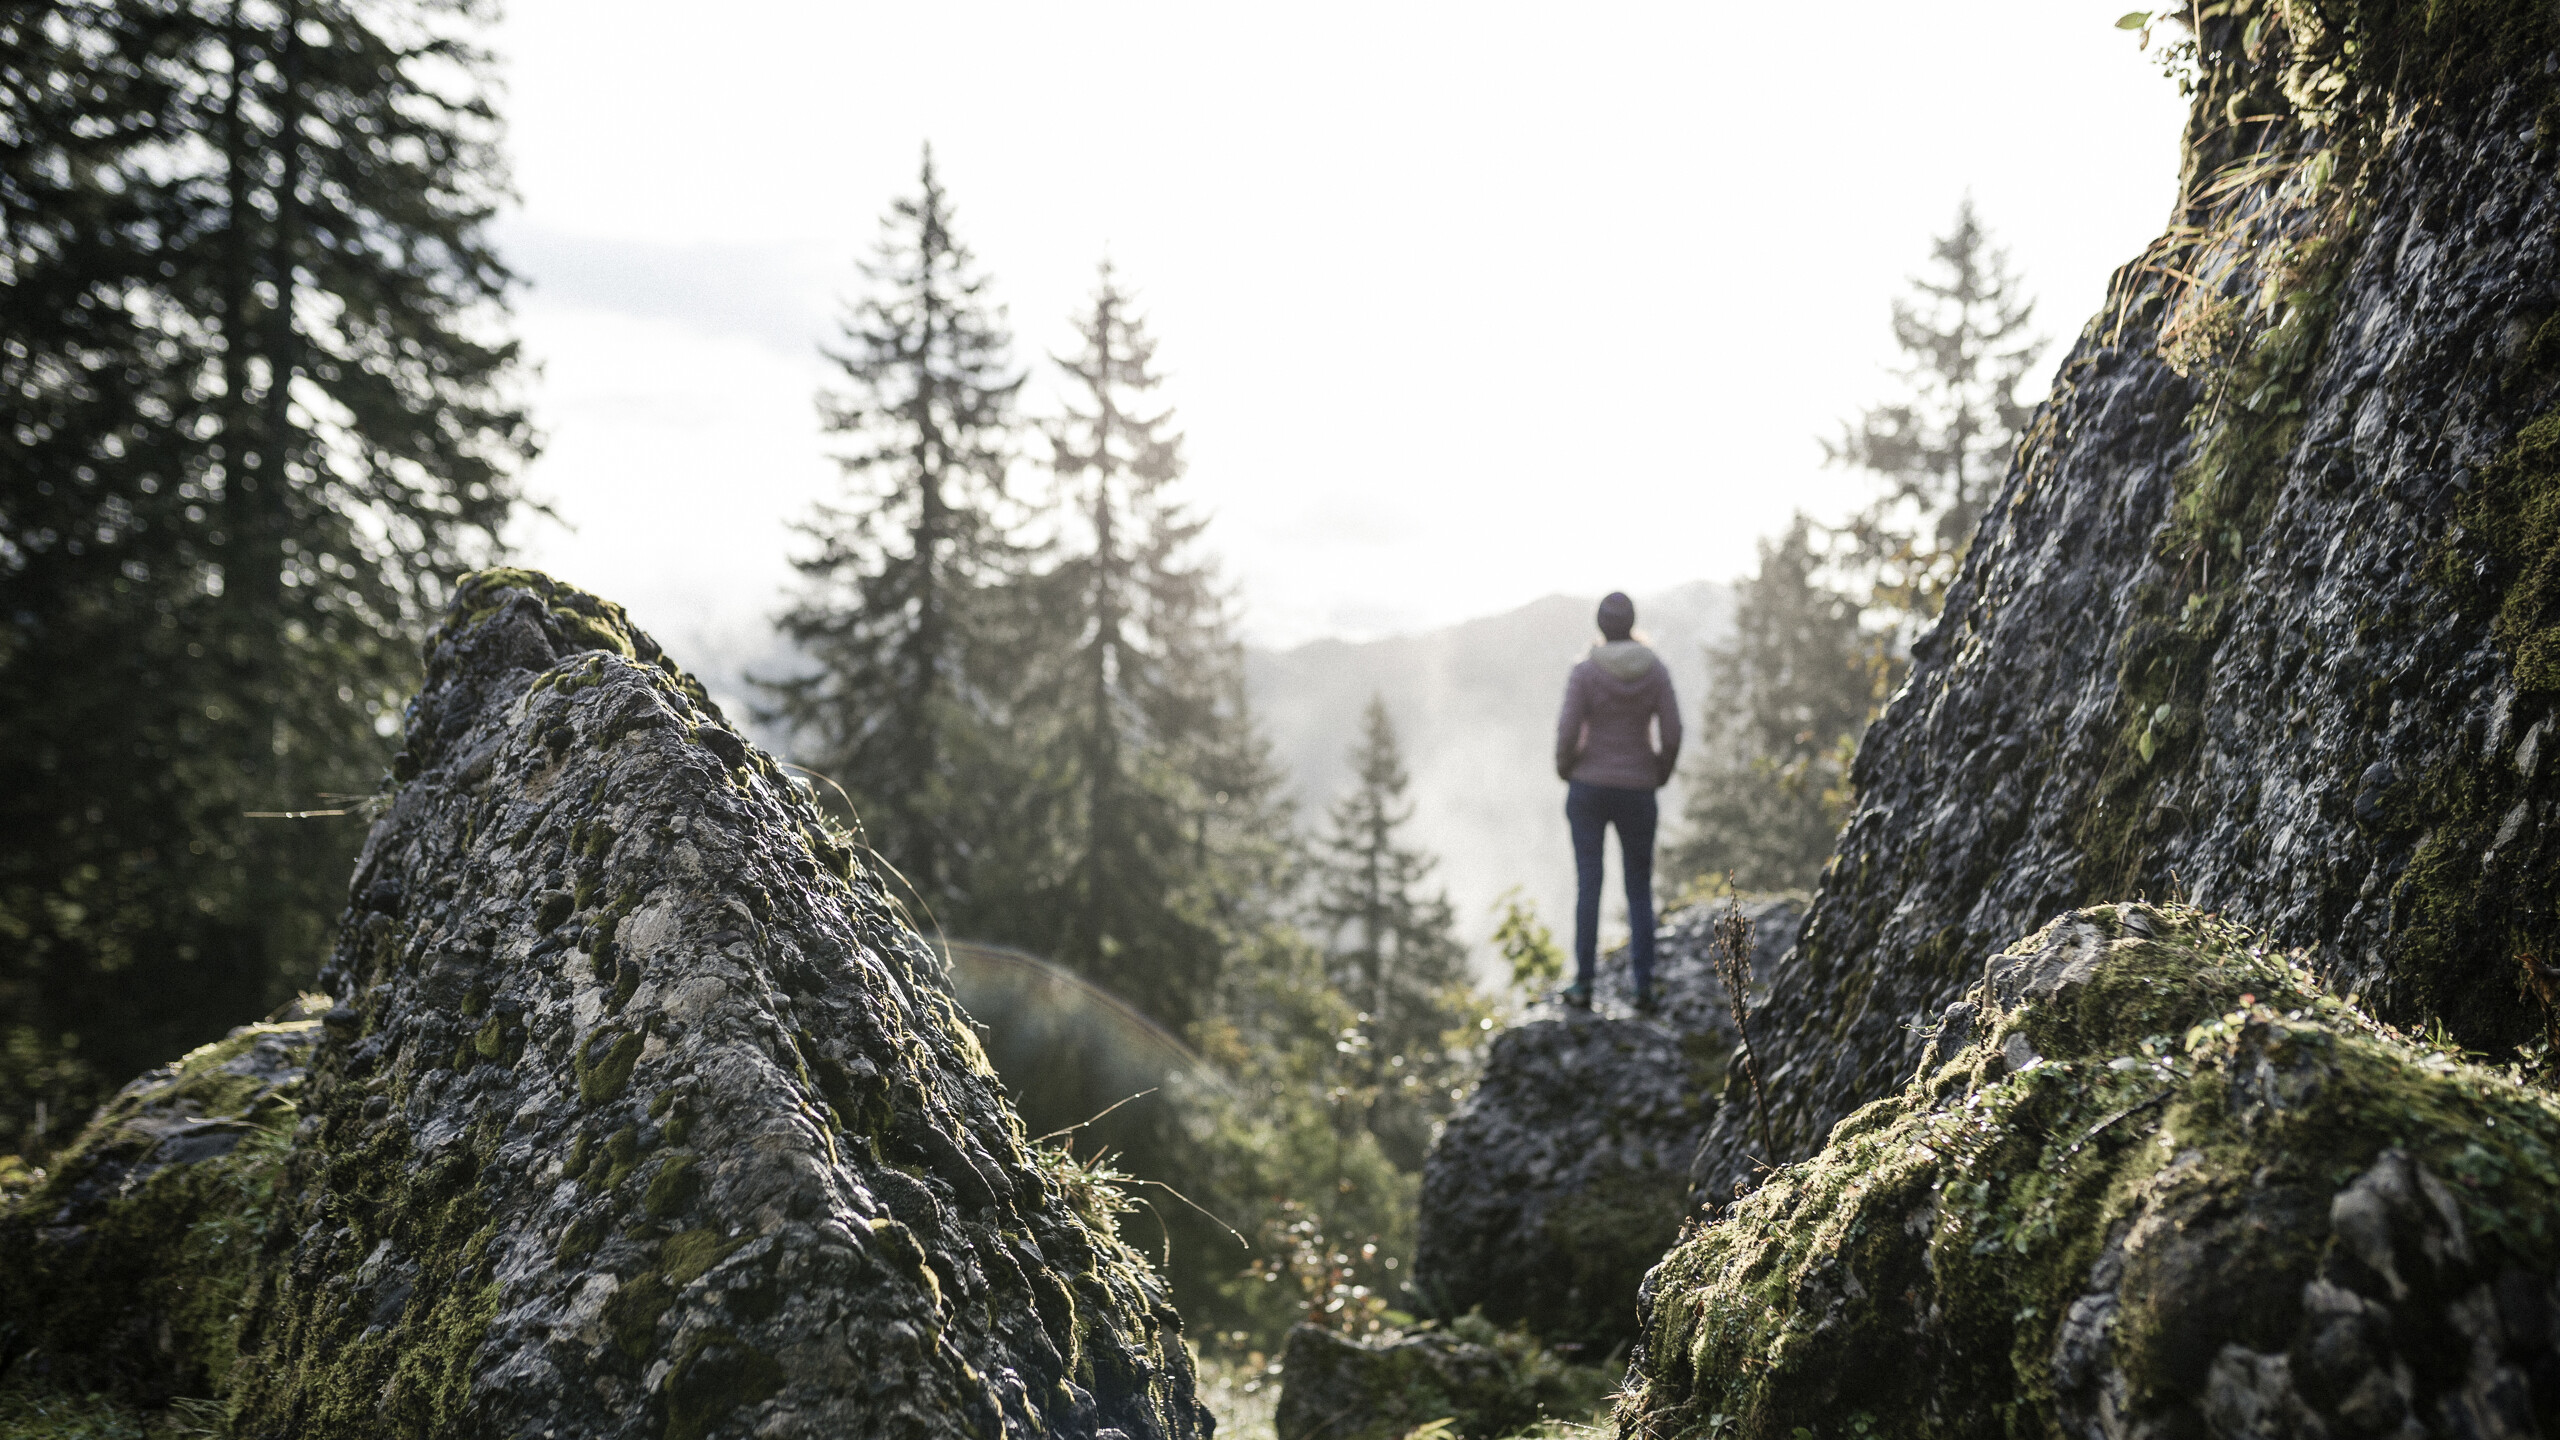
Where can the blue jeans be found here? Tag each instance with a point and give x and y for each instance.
(1590, 810)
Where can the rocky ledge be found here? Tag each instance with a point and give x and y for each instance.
(1564, 1177)
(1470, 1381)
(2150, 1179)
(638, 1110)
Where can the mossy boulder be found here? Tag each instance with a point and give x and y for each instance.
(1476, 1380)
(1565, 1175)
(123, 1268)
(639, 1111)
(2151, 1179)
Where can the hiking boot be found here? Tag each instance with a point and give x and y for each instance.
(1648, 1003)
(1574, 997)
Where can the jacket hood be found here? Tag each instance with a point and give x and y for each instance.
(1624, 659)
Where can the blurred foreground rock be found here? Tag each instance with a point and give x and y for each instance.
(2150, 1180)
(641, 1112)
(1564, 1177)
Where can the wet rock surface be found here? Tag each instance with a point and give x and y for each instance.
(2234, 634)
(1565, 1175)
(2164, 1185)
(639, 1111)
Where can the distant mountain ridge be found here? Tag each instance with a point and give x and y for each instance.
(1475, 708)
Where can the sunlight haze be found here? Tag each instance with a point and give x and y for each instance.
(1462, 305)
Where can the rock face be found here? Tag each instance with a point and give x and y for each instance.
(641, 1112)
(1565, 1175)
(2149, 1180)
(1482, 1382)
(2261, 616)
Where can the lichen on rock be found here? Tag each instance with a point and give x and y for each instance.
(641, 1111)
(2151, 1178)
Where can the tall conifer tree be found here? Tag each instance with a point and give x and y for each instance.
(1943, 448)
(257, 425)
(1133, 707)
(1392, 948)
(1810, 662)
(904, 612)
(1144, 845)
(1788, 695)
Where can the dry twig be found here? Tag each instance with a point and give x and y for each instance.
(1733, 966)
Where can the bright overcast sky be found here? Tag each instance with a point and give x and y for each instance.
(1463, 304)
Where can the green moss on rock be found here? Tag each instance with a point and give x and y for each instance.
(373, 1363)
(2511, 563)
(2247, 424)
(672, 1188)
(715, 1374)
(604, 1066)
(2479, 898)
(686, 1257)
(631, 1314)
(124, 1268)
(591, 622)
(2146, 1155)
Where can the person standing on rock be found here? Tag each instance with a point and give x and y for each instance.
(1608, 758)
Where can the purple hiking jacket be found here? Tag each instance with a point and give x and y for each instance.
(1604, 735)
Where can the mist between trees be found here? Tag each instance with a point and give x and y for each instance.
(259, 426)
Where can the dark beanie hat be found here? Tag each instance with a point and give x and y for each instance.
(1617, 615)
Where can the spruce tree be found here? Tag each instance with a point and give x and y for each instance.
(1788, 696)
(258, 423)
(904, 614)
(1145, 845)
(1392, 951)
(1791, 694)
(1128, 706)
(1941, 450)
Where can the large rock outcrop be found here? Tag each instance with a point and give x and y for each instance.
(2262, 618)
(2261, 615)
(2150, 1179)
(642, 1112)
(1565, 1175)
